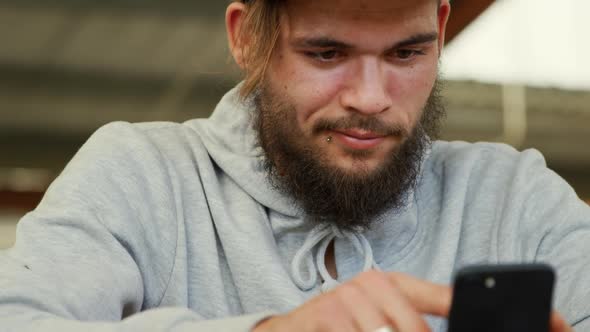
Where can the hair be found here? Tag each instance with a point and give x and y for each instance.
(261, 29)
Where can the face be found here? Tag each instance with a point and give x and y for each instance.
(345, 109)
(358, 73)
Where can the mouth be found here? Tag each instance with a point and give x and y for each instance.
(357, 139)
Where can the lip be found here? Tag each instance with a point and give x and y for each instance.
(358, 139)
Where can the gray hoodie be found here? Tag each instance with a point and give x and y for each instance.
(174, 227)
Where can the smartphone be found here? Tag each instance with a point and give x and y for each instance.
(502, 298)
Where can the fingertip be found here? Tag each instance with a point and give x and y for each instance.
(447, 301)
(558, 323)
(426, 296)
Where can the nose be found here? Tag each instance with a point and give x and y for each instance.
(367, 92)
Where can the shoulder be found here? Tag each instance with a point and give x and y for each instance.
(124, 141)
(482, 159)
(158, 133)
(137, 158)
(498, 175)
(489, 173)
(445, 153)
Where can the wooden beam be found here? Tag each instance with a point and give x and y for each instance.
(21, 201)
(463, 12)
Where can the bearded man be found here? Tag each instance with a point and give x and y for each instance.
(313, 199)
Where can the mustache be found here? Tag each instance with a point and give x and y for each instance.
(371, 124)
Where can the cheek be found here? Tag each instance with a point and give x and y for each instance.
(313, 91)
(410, 88)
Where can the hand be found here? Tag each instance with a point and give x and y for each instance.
(370, 301)
(558, 324)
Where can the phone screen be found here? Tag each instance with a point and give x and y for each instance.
(502, 298)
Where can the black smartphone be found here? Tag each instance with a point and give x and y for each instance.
(502, 298)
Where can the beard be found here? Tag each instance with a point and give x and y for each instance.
(331, 195)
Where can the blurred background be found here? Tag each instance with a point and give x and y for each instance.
(516, 71)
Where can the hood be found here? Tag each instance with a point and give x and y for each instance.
(230, 139)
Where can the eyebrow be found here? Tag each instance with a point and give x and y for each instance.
(420, 38)
(320, 42)
(327, 42)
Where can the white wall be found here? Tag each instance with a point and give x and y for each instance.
(535, 42)
(8, 221)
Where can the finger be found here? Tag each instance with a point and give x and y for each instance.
(426, 297)
(323, 313)
(558, 324)
(393, 304)
(366, 315)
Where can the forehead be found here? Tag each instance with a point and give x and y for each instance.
(346, 16)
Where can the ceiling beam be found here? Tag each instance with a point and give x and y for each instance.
(463, 12)
(20, 201)
(193, 8)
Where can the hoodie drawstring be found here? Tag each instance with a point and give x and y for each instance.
(324, 235)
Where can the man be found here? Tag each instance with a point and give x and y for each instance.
(278, 212)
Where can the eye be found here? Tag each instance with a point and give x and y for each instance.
(406, 54)
(325, 56)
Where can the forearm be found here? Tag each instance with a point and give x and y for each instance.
(157, 320)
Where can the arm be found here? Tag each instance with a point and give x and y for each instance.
(100, 247)
(557, 228)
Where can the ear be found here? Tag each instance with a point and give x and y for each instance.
(444, 11)
(234, 16)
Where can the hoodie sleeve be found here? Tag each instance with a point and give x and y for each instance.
(555, 228)
(98, 251)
